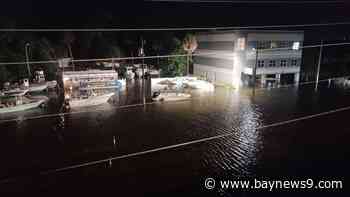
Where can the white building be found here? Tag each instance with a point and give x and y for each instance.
(229, 57)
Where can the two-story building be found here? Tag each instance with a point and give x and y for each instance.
(229, 57)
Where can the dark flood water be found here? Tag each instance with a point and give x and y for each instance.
(312, 148)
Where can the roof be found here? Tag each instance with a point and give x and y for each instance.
(250, 31)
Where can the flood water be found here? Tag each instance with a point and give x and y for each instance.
(316, 147)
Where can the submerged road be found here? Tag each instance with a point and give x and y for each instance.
(307, 147)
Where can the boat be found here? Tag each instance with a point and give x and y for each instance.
(89, 101)
(199, 85)
(15, 92)
(39, 84)
(38, 87)
(22, 107)
(129, 73)
(159, 84)
(16, 101)
(171, 96)
(51, 84)
(97, 85)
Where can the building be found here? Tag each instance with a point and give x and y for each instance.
(93, 78)
(229, 57)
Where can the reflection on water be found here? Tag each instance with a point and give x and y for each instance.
(109, 131)
(237, 153)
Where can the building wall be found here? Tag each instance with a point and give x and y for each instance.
(217, 63)
(265, 42)
(233, 57)
(213, 74)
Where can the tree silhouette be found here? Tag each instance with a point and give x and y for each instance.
(190, 45)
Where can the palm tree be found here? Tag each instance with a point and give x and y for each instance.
(68, 39)
(190, 45)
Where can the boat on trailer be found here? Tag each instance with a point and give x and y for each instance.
(38, 87)
(15, 101)
(21, 107)
(90, 100)
(15, 92)
(170, 96)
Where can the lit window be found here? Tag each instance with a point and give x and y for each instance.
(273, 45)
(283, 63)
(294, 62)
(296, 45)
(261, 63)
(272, 63)
(241, 44)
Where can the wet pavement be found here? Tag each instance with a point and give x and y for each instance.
(315, 147)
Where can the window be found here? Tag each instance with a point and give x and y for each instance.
(273, 45)
(283, 63)
(272, 63)
(283, 44)
(261, 63)
(296, 45)
(263, 44)
(241, 44)
(294, 62)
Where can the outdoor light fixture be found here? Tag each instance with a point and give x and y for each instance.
(241, 44)
(296, 45)
(248, 70)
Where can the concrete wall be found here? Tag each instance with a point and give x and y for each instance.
(218, 65)
(213, 74)
(229, 62)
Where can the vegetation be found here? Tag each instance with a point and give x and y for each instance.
(190, 45)
(175, 66)
(82, 45)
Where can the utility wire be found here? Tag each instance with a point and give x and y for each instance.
(165, 56)
(200, 54)
(131, 155)
(250, 1)
(135, 105)
(171, 29)
(20, 119)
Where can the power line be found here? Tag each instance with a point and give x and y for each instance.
(150, 103)
(80, 112)
(170, 28)
(131, 155)
(161, 56)
(250, 1)
(101, 59)
(136, 105)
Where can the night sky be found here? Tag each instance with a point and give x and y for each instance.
(139, 14)
(143, 14)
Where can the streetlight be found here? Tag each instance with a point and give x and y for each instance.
(254, 69)
(142, 54)
(27, 58)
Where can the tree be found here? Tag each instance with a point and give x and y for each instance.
(47, 51)
(176, 65)
(4, 75)
(189, 45)
(68, 39)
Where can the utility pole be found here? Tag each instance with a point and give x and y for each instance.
(71, 55)
(319, 65)
(188, 64)
(27, 59)
(254, 70)
(142, 54)
(143, 60)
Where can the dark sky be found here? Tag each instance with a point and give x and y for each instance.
(134, 14)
